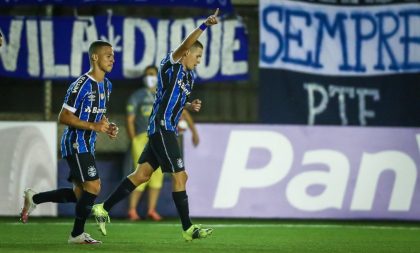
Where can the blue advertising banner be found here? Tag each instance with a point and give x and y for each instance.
(57, 48)
(329, 65)
(224, 5)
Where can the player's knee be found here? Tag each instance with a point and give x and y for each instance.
(93, 187)
(179, 180)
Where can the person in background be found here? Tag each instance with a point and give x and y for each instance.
(139, 108)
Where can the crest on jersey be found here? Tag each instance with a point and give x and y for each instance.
(102, 95)
(180, 163)
(91, 171)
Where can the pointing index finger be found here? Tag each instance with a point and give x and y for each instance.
(216, 12)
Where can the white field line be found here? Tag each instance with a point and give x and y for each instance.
(236, 225)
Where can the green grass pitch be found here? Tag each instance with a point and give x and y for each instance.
(230, 236)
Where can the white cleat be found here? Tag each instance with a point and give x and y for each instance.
(83, 238)
(28, 205)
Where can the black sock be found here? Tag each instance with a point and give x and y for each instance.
(83, 208)
(122, 191)
(63, 195)
(181, 203)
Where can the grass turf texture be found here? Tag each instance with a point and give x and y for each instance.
(231, 236)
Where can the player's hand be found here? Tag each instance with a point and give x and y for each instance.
(212, 20)
(195, 105)
(101, 126)
(112, 131)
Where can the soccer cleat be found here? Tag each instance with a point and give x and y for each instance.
(83, 238)
(196, 232)
(28, 205)
(101, 217)
(154, 216)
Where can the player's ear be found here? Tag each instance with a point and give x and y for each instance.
(94, 57)
(187, 52)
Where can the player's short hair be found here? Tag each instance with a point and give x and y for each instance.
(94, 46)
(197, 44)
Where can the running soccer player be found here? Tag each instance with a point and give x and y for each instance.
(83, 112)
(175, 83)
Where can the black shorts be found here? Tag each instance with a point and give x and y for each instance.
(162, 150)
(82, 167)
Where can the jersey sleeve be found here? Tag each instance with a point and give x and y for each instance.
(75, 94)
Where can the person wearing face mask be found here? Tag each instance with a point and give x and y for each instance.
(139, 108)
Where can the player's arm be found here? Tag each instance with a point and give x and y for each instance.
(191, 126)
(193, 37)
(68, 118)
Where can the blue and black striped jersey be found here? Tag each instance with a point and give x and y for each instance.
(87, 99)
(174, 87)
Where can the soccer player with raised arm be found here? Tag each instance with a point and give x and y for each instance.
(83, 112)
(175, 83)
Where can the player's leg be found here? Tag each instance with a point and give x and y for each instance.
(32, 199)
(165, 145)
(147, 164)
(100, 211)
(180, 197)
(87, 186)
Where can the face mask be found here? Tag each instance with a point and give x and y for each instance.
(150, 81)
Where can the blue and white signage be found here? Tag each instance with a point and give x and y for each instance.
(332, 40)
(57, 48)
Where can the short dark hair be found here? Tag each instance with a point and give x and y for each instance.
(1, 35)
(94, 46)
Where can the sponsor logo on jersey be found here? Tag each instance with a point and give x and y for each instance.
(98, 110)
(95, 110)
(77, 85)
(183, 87)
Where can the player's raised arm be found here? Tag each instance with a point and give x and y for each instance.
(193, 36)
